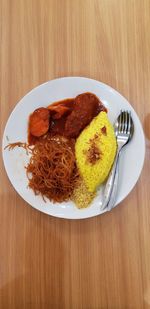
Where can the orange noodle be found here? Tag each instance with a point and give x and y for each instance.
(11, 146)
(52, 170)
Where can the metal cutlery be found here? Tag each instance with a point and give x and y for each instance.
(124, 129)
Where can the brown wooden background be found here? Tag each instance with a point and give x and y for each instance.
(103, 262)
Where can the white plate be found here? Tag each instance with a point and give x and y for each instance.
(16, 130)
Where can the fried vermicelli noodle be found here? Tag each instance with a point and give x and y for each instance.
(11, 146)
(52, 170)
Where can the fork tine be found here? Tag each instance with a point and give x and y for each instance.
(121, 119)
(126, 122)
(123, 122)
(129, 122)
(119, 122)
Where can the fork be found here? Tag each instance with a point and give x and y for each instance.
(124, 129)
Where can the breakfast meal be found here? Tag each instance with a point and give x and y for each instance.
(72, 146)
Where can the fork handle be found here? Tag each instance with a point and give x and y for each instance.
(113, 195)
(110, 190)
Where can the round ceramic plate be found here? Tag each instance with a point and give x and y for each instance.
(55, 90)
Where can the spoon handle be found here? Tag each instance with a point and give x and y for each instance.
(111, 186)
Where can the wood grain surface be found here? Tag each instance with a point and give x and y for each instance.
(102, 262)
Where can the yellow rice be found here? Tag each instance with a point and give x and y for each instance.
(95, 174)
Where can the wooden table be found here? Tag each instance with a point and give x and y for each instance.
(102, 262)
